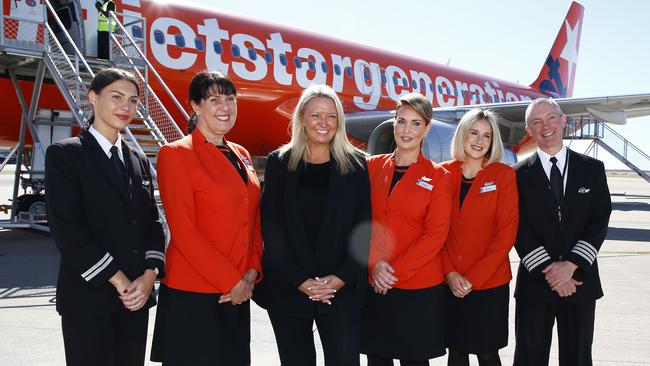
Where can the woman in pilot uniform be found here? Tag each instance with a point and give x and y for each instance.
(411, 206)
(210, 193)
(483, 230)
(104, 220)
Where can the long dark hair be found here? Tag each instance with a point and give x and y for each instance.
(207, 83)
(107, 77)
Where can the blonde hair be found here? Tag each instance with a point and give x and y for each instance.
(495, 151)
(419, 103)
(539, 101)
(348, 158)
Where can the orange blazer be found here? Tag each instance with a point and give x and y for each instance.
(409, 225)
(213, 216)
(484, 230)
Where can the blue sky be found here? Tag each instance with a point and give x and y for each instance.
(504, 39)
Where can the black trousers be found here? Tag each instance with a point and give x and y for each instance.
(103, 45)
(339, 333)
(105, 340)
(534, 332)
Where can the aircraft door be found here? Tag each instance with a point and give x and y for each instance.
(69, 12)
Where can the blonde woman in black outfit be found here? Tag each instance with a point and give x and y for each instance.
(316, 226)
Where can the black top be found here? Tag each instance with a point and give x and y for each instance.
(313, 190)
(230, 155)
(465, 185)
(399, 172)
(343, 241)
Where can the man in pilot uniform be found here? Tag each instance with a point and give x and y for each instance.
(564, 212)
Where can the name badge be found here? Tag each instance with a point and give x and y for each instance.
(424, 184)
(247, 163)
(488, 187)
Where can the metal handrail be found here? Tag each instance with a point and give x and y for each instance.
(625, 141)
(79, 115)
(67, 36)
(154, 95)
(153, 70)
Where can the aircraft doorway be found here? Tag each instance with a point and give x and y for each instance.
(69, 12)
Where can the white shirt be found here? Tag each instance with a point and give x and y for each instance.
(561, 156)
(106, 145)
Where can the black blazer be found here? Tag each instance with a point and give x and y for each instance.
(342, 250)
(99, 224)
(543, 239)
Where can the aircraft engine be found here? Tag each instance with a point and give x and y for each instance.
(435, 146)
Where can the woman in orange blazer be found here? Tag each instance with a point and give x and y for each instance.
(483, 230)
(411, 207)
(210, 193)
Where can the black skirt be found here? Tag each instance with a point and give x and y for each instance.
(477, 323)
(404, 324)
(194, 329)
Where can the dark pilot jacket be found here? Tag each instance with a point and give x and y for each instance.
(544, 238)
(100, 223)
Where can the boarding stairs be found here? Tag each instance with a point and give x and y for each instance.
(154, 125)
(604, 136)
(46, 57)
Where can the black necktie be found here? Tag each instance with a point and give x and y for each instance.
(557, 186)
(120, 169)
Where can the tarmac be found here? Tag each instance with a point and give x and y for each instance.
(30, 329)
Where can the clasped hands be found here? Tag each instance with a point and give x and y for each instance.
(459, 285)
(133, 294)
(242, 291)
(383, 278)
(321, 288)
(559, 276)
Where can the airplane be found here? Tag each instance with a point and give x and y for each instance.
(271, 64)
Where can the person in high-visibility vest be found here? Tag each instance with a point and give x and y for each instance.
(103, 45)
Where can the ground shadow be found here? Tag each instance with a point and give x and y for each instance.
(630, 206)
(28, 259)
(628, 234)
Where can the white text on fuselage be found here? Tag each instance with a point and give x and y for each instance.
(251, 59)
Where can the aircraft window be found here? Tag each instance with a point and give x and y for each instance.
(324, 67)
(180, 40)
(297, 62)
(484, 99)
(252, 54)
(268, 57)
(136, 31)
(439, 89)
(395, 80)
(198, 42)
(348, 71)
(283, 59)
(366, 74)
(337, 69)
(432, 88)
(405, 82)
(423, 85)
(448, 91)
(218, 49)
(383, 78)
(235, 50)
(311, 64)
(415, 84)
(464, 94)
(159, 36)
